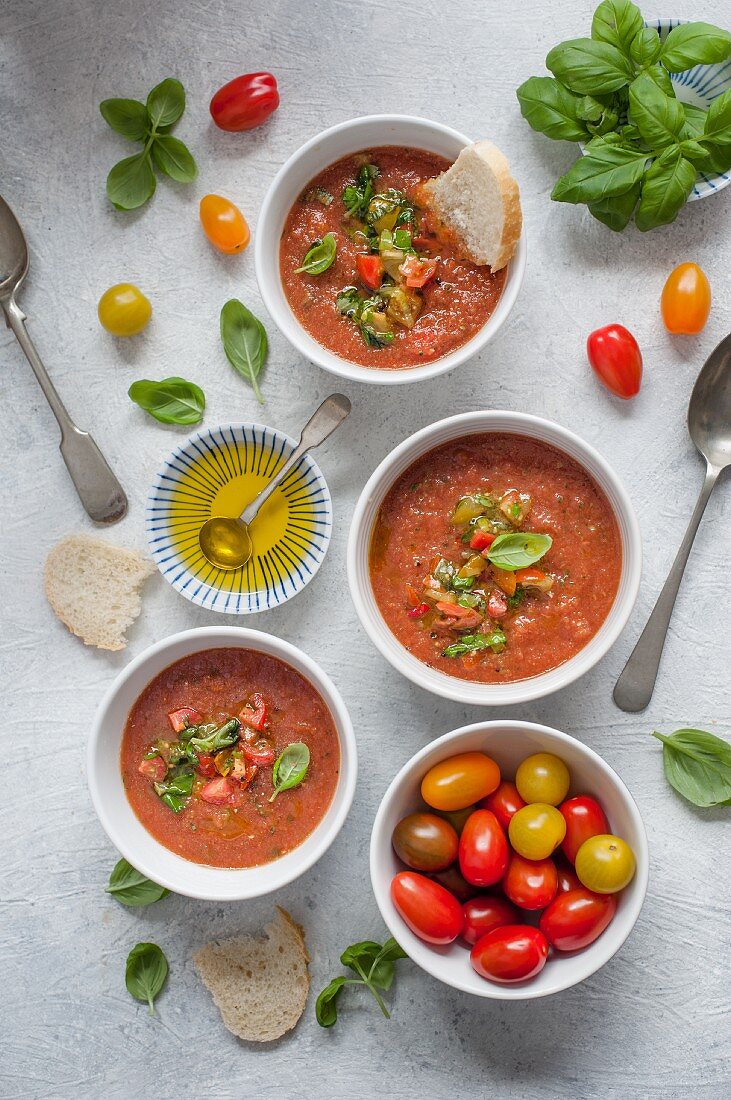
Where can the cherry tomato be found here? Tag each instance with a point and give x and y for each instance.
(543, 777)
(457, 818)
(567, 877)
(224, 224)
(616, 358)
(483, 849)
(504, 802)
(605, 864)
(370, 269)
(244, 103)
(530, 883)
(124, 310)
(536, 830)
(576, 919)
(510, 953)
(425, 842)
(484, 913)
(431, 912)
(584, 817)
(453, 880)
(686, 300)
(459, 781)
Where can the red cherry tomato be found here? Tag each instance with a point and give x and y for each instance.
(510, 953)
(616, 358)
(484, 913)
(576, 919)
(244, 103)
(431, 912)
(370, 269)
(686, 300)
(453, 880)
(567, 877)
(483, 849)
(530, 883)
(584, 818)
(504, 802)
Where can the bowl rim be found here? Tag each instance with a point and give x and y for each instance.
(266, 263)
(216, 637)
(522, 991)
(478, 422)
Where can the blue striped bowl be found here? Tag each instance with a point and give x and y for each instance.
(218, 472)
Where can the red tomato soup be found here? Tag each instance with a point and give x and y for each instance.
(199, 754)
(495, 558)
(394, 295)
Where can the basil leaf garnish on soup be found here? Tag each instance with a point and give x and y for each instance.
(518, 549)
(290, 768)
(320, 256)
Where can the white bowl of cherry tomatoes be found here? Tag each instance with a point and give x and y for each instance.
(509, 860)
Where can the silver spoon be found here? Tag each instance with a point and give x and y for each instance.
(225, 540)
(100, 492)
(709, 424)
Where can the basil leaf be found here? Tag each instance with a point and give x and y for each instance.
(645, 47)
(585, 65)
(719, 157)
(518, 549)
(617, 210)
(173, 158)
(131, 182)
(551, 109)
(361, 955)
(698, 765)
(166, 102)
(131, 887)
(244, 341)
(695, 120)
(659, 118)
(695, 152)
(221, 738)
(145, 973)
(127, 117)
(176, 788)
(659, 74)
(665, 189)
(171, 401)
(617, 22)
(471, 643)
(326, 1006)
(320, 257)
(381, 972)
(695, 44)
(717, 126)
(607, 169)
(290, 768)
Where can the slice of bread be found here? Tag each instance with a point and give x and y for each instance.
(94, 588)
(259, 985)
(478, 201)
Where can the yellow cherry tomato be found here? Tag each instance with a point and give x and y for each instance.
(536, 831)
(605, 864)
(686, 300)
(124, 310)
(459, 781)
(224, 224)
(543, 777)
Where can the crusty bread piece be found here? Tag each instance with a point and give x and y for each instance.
(478, 201)
(259, 985)
(94, 588)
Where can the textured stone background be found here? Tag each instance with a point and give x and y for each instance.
(654, 1022)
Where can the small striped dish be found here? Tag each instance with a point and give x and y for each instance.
(218, 472)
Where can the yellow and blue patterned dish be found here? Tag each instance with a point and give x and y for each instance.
(217, 473)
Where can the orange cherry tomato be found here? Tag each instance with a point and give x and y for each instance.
(686, 300)
(460, 781)
(224, 224)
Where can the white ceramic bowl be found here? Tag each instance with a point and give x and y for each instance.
(123, 827)
(366, 511)
(509, 743)
(291, 180)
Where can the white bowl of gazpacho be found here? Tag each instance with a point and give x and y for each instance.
(316, 236)
(494, 557)
(222, 763)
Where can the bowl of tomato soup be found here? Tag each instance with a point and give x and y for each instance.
(348, 202)
(222, 763)
(494, 557)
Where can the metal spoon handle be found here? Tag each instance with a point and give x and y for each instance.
(636, 682)
(323, 422)
(99, 490)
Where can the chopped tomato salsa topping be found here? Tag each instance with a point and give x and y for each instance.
(181, 719)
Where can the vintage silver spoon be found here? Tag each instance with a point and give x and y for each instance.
(225, 540)
(100, 492)
(709, 424)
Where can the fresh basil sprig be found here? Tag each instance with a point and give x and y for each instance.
(473, 643)
(171, 401)
(132, 181)
(130, 887)
(320, 257)
(698, 765)
(145, 973)
(245, 342)
(290, 768)
(373, 964)
(518, 549)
